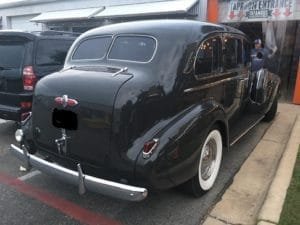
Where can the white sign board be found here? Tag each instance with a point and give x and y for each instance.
(260, 10)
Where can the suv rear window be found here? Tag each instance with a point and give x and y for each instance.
(93, 48)
(52, 52)
(11, 54)
(133, 48)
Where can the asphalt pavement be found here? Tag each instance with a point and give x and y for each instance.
(40, 199)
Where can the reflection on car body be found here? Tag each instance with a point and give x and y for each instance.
(158, 104)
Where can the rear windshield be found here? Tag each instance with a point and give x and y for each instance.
(125, 48)
(133, 48)
(52, 52)
(11, 54)
(93, 48)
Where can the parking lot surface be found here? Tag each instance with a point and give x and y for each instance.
(35, 198)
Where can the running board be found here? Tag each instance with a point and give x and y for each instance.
(246, 131)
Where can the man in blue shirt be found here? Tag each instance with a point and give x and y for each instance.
(258, 55)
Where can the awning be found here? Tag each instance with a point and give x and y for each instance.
(148, 9)
(74, 14)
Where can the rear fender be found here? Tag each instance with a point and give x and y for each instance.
(176, 158)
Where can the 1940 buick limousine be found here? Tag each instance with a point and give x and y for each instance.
(146, 105)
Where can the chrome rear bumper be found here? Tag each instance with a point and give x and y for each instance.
(83, 181)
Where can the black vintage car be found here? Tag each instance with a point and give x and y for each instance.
(146, 105)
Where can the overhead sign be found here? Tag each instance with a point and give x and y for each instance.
(254, 10)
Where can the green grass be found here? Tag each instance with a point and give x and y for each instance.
(291, 210)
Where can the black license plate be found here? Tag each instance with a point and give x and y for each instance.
(64, 119)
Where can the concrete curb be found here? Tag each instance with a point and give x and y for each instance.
(272, 206)
(244, 200)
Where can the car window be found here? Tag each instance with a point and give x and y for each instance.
(247, 52)
(133, 48)
(93, 48)
(217, 53)
(230, 55)
(52, 52)
(233, 53)
(208, 56)
(11, 54)
(239, 49)
(204, 58)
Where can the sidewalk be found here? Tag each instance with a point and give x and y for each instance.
(258, 189)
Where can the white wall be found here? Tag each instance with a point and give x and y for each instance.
(38, 8)
(23, 23)
(28, 10)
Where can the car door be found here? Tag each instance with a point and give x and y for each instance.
(207, 70)
(233, 69)
(236, 70)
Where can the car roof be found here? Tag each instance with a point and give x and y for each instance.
(31, 35)
(187, 29)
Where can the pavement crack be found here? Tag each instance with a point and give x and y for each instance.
(224, 221)
(277, 142)
(268, 221)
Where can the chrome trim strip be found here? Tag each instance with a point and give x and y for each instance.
(222, 74)
(125, 69)
(201, 87)
(83, 181)
(246, 131)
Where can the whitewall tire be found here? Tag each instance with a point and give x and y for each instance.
(210, 160)
(209, 164)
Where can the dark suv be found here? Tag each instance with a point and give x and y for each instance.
(25, 57)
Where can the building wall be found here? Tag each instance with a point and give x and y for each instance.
(10, 12)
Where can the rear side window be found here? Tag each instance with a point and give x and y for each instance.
(52, 52)
(11, 54)
(209, 56)
(93, 48)
(133, 48)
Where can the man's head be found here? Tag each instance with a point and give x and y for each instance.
(257, 43)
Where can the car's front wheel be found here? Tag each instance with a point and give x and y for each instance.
(209, 164)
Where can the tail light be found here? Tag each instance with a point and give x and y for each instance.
(29, 78)
(26, 105)
(149, 148)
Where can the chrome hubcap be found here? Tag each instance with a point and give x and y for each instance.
(208, 159)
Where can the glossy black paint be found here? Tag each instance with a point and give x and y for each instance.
(161, 99)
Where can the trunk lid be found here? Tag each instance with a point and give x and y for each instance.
(94, 91)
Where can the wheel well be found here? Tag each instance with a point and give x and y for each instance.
(224, 132)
